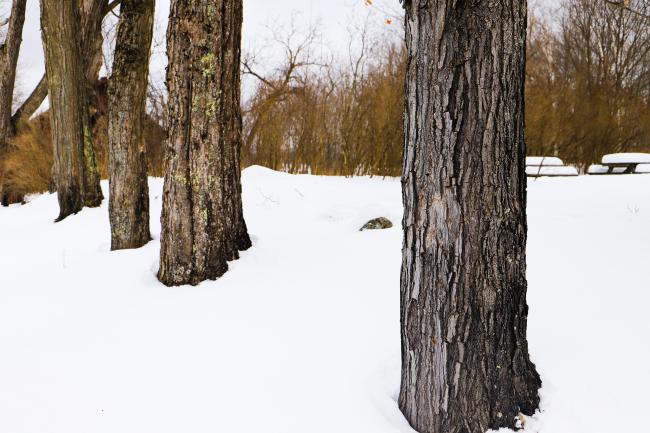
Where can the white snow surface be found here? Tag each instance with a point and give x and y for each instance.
(626, 158)
(597, 169)
(642, 168)
(551, 171)
(550, 161)
(302, 333)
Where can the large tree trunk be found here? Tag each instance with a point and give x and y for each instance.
(9, 50)
(129, 192)
(202, 221)
(75, 170)
(465, 362)
(94, 12)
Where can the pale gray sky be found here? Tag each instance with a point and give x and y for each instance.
(334, 17)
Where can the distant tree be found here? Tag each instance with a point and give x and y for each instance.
(631, 6)
(587, 82)
(92, 15)
(9, 50)
(312, 115)
(465, 362)
(75, 171)
(202, 222)
(129, 191)
(11, 30)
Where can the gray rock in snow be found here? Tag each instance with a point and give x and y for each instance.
(377, 224)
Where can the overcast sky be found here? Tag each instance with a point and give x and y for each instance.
(334, 16)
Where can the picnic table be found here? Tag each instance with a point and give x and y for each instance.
(548, 166)
(622, 163)
(545, 171)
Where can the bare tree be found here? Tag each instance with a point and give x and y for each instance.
(587, 82)
(93, 14)
(9, 50)
(202, 222)
(465, 362)
(129, 191)
(75, 169)
(628, 5)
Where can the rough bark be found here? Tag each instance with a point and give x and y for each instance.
(465, 362)
(75, 170)
(92, 40)
(202, 222)
(129, 191)
(9, 50)
(31, 104)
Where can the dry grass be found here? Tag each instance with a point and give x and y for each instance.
(333, 121)
(27, 166)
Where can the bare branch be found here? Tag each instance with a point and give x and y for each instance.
(247, 69)
(111, 6)
(625, 5)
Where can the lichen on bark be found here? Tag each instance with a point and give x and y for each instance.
(202, 222)
(465, 361)
(74, 168)
(129, 190)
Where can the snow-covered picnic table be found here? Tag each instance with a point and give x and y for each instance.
(537, 166)
(622, 163)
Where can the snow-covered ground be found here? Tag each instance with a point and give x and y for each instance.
(302, 334)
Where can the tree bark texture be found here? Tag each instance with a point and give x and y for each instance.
(31, 104)
(75, 169)
(465, 362)
(92, 38)
(202, 221)
(94, 12)
(9, 50)
(129, 191)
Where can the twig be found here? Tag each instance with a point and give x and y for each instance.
(625, 5)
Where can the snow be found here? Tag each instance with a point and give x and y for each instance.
(302, 333)
(626, 158)
(551, 171)
(597, 169)
(642, 168)
(550, 161)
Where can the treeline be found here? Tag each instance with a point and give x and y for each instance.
(324, 118)
(26, 165)
(587, 94)
(588, 81)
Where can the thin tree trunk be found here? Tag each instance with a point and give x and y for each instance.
(129, 191)
(202, 222)
(465, 362)
(92, 38)
(31, 104)
(9, 50)
(75, 170)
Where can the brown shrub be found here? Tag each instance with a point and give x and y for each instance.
(26, 168)
(345, 121)
(27, 165)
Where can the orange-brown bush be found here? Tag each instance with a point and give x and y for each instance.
(587, 94)
(26, 168)
(313, 118)
(587, 82)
